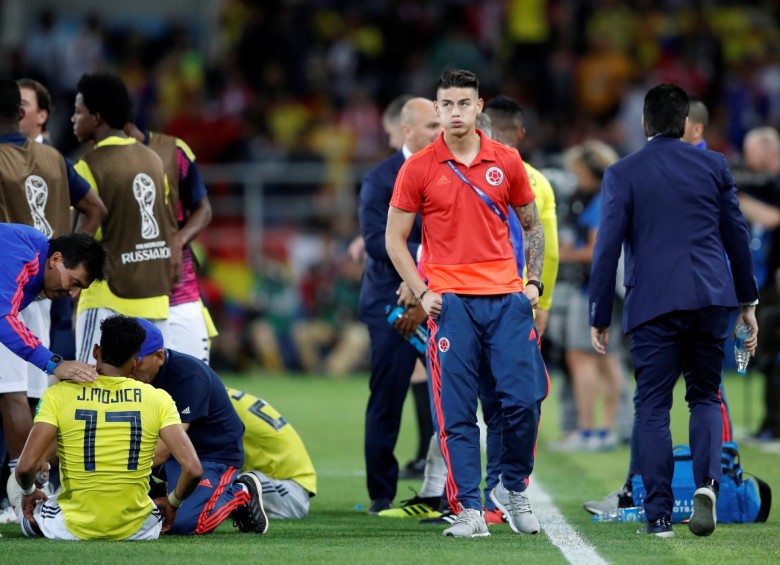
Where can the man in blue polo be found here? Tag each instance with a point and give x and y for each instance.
(216, 432)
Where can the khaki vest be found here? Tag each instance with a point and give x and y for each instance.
(34, 188)
(136, 231)
(165, 146)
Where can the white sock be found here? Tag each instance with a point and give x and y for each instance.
(435, 471)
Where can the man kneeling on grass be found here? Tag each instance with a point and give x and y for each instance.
(106, 432)
(216, 432)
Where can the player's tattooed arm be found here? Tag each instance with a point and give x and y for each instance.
(533, 236)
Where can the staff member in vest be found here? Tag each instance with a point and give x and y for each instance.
(52, 319)
(43, 201)
(138, 230)
(190, 325)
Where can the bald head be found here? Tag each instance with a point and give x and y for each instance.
(761, 150)
(419, 123)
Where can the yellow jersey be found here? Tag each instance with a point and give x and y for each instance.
(271, 444)
(545, 204)
(107, 431)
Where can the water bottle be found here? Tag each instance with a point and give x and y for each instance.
(632, 514)
(418, 338)
(741, 333)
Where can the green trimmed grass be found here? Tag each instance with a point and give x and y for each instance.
(329, 416)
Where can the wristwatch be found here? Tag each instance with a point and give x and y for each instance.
(52, 364)
(537, 284)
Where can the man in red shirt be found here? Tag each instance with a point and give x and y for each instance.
(462, 186)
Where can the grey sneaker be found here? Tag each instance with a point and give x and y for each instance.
(620, 498)
(468, 524)
(704, 516)
(517, 509)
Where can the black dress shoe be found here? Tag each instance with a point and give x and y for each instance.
(379, 504)
(661, 528)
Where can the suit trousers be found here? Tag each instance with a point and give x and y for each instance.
(688, 342)
(392, 363)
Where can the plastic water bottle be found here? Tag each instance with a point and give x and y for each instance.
(632, 514)
(741, 333)
(418, 338)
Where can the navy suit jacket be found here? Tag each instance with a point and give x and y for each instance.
(380, 279)
(674, 209)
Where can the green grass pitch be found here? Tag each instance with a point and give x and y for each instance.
(329, 416)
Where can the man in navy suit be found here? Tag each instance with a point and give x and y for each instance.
(674, 209)
(392, 357)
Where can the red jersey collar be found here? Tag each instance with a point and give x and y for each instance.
(443, 153)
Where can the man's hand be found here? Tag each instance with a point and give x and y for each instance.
(357, 249)
(410, 319)
(541, 320)
(406, 297)
(75, 371)
(747, 315)
(168, 512)
(42, 475)
(431, 302)
(599, 338)
(532, 294)
(29, 502)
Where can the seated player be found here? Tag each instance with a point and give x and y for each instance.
(216, 432)
(275, 454)
(106, 432)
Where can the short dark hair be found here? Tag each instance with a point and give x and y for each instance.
(41, 94)
(10, 100)
(697, 112)
(506, 108)
(665, 110)
(106, 94)
(458, 79)
(121, 338)
(392, 112)
(81, 248)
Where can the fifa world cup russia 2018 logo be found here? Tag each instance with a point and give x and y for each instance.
(145, 192)
(494, 176)
(37, 192)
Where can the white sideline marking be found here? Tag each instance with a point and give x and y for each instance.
(574, 548)
(560, 533)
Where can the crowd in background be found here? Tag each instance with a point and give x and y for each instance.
(296, 82)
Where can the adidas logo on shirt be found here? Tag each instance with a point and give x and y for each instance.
(443, 180)
(186, 410)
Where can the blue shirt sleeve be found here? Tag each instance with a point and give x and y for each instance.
(19, 339)
(14, 274)
(77, 185)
